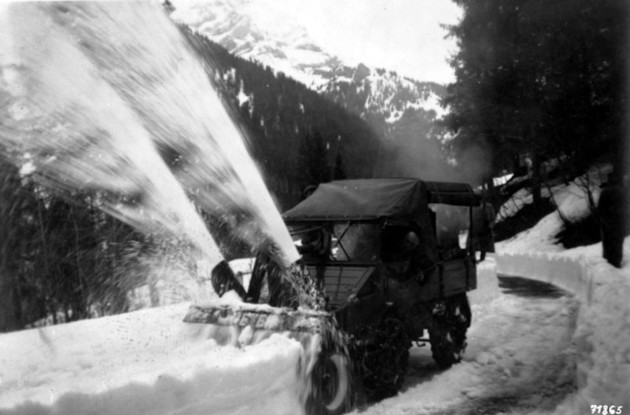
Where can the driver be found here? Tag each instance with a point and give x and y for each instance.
(410, 243)
(405, 258)
(316, 243)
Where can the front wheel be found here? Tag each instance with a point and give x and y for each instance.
(447, 334)
(330, 384)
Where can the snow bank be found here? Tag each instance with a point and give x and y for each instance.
(145, 362)
(565, 272)
(602, 335)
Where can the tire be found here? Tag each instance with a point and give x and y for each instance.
(447, 334)
(331, 383)
(382, 357)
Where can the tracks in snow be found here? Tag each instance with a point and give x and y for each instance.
(520, 358)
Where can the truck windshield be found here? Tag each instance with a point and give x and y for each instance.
(355, 242)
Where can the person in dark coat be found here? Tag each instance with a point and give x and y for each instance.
(482, 228)
(611, 210)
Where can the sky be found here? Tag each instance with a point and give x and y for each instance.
(401, 35)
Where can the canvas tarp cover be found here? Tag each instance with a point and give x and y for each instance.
(365, 199)
(362, 200)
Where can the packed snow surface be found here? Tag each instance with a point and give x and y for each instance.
(519, 352)
(145, 362)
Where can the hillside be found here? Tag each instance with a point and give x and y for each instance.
(297, 136)
(401, 110)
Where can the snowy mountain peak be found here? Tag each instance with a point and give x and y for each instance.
(266, 33)
(287, 48)
(364, 90)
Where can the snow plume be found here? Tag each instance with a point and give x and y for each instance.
(108, 97)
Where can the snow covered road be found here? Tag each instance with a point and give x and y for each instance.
(519, 359)
(524, 350)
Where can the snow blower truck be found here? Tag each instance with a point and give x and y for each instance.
(384, 262)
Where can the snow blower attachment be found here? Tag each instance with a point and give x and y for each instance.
(237, 319)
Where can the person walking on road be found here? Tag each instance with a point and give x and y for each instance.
(483, 224)
(611, 210)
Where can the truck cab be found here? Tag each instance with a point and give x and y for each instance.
(377, 245)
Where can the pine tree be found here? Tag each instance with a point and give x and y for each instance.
(313, 165)
(542, 78)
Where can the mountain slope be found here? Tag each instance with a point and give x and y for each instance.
(297, 136)
(400, 110)
(378, 91)
(288, 49)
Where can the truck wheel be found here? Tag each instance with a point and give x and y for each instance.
(447, 334)
(330, 385)
(382, 357)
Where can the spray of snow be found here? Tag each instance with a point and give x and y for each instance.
(108, 97)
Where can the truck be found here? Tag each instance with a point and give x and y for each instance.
(391, 260)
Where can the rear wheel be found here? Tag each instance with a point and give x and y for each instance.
(447, 334)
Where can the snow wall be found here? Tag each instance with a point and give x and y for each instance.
(147, 362)
(602, 334)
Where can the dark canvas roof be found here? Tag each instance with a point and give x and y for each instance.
(365, 199)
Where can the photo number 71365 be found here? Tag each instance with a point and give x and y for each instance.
(606, 409)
